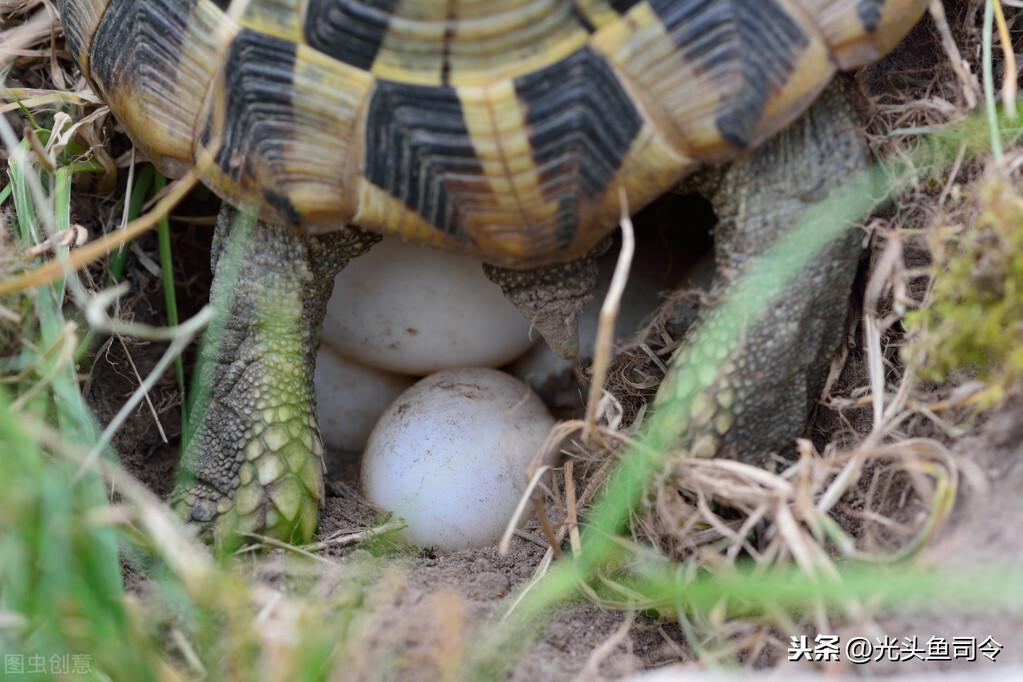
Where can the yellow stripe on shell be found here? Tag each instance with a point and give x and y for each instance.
(505, 215)
(850, 42)
(598, 12)
(280, 18)
(647, 170)
(320, 165)
(483, 43)
(686, 98)
(87, 15)
(680, 97)
(381, 212)
(519, 218)
(811, 73)
(163, 116)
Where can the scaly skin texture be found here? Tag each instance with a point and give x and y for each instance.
(254, 462)
(552, 298)
(760, 400)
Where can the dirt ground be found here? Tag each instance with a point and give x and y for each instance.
(428, 586)
(983, 530)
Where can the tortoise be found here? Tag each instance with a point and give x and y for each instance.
(509, 130)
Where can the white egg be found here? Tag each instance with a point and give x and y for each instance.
(450, 456)
(350, 398)
(414, 310)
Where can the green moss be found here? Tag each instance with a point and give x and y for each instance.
(974, 318)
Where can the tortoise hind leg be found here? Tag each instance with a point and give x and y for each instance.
(253, 462)
(759, 398)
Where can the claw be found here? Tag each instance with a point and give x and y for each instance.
(203, 511)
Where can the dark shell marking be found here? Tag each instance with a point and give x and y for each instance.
(502, 129)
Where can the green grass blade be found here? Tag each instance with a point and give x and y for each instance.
(170, 298)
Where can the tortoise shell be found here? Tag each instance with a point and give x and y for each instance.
(499, 128)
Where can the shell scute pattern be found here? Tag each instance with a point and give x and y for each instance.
(498, 128)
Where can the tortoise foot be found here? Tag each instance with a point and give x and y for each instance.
(253, 463)
(272, 486)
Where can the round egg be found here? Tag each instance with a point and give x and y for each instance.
(350, 398)
(450, 456)
(412, 310)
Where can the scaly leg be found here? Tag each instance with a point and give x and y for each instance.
(759, 399)
(254, 461)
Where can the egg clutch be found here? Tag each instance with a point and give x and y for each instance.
(447, 453)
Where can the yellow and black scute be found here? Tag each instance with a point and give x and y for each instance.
(505, 129)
